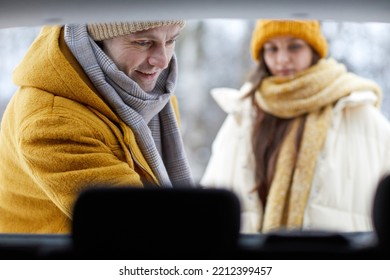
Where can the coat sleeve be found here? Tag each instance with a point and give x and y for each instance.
(355, 157)
(229, 151)
(220, 169)
(231, 166)
(65, 153)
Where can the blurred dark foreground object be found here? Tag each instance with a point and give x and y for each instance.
(155, 223)
(189, 223)
(381, 214)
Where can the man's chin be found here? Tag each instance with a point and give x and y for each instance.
(148, 88)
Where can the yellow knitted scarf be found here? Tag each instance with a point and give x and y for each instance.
(312, 92)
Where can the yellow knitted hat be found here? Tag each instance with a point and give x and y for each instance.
(104, 31)
(308, 30)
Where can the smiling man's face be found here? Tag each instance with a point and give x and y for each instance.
(143, 55)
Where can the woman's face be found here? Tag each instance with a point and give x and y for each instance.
(287, 55)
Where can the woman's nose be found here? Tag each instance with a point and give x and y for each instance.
(282, 57)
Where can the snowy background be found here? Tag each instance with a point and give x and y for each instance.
(215, 53)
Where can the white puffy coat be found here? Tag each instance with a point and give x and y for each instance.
(355, 156)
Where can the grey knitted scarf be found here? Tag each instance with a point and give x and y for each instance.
(149, 115)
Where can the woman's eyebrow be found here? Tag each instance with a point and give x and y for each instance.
(295, 39)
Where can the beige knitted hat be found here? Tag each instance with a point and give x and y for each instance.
(103, 31)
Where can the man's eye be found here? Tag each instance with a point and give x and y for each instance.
(143, 43)
(170, 42)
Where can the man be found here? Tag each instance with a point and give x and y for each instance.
(94, 107)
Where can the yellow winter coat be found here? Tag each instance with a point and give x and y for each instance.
(58, 137)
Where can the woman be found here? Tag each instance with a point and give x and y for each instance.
(304, 144)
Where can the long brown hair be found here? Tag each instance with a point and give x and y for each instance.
(268, 133)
